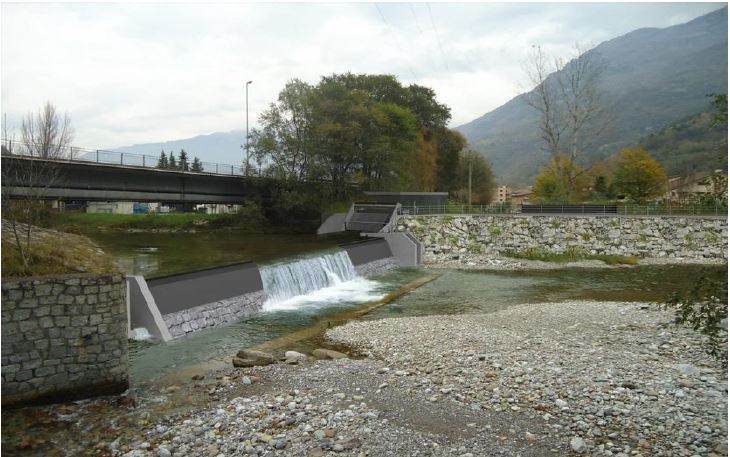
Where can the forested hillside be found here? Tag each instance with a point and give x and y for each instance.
(652, 78)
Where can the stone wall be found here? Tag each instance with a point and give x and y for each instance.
(377, 267)
(213, 314)
(668, 237)
(63, 338)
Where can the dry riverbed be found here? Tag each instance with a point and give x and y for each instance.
(552, 379)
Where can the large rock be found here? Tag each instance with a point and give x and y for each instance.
(328, 354)
(252, 358)
(294, 357)
(578, 445)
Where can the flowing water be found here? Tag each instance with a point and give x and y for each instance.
(323, 278)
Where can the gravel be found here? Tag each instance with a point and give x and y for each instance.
(549, 379)
(605, 378)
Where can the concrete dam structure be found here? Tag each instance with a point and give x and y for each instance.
(176, 305)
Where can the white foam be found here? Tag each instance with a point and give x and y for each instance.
(359, 290)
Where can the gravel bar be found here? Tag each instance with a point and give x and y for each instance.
(603, 378)
(548, 379)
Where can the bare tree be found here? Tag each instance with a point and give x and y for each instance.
(46, 138)
(568, 98)
(46, 134)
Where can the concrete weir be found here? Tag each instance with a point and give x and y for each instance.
(176, 305)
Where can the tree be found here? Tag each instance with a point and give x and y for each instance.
(482, 178)
(182, 163)
(562, 181)
(719, 103)
(171, 162)
(48, 136)
(162, 161)
(197, 166)
(638, 176)
(450, 144)
(567, 97)
(285, 139)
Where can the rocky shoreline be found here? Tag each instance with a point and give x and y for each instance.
(496, 262)
(594, 378)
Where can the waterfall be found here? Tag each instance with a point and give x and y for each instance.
(285, 281)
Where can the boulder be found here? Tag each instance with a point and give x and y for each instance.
(328, 354)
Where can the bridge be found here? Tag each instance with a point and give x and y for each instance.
(87, 179)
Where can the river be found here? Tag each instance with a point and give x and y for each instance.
(452, 292)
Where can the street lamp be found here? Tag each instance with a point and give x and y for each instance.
(247, 153)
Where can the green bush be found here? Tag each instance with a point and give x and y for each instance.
(703, 308)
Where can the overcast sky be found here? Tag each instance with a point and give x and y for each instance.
(138, 73)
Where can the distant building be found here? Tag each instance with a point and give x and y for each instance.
(520, 197)
(214, 208)
(696, 185)
(110, 207)
(501, 194)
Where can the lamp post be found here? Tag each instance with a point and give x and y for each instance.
(247, 153)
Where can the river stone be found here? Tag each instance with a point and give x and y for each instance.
(328, 354)
(578, 445)
(252, 358)
(294, 357)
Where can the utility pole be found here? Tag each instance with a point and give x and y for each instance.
(247, 151)
(470, 182)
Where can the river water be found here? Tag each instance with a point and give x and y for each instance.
(292, 263)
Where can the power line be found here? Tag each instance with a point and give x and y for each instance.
(415, 18)
(438, 39)
(395, 38)
(420, 32)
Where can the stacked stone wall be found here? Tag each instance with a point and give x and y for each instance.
(213, 314)
(653, 237)
(63, 338)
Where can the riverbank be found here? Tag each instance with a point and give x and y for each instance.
(159, 223)
(501, 263)
(533, 380)
(49, 252)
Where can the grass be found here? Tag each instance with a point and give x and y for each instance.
(570, 255)
(53, 253)
(175, 221)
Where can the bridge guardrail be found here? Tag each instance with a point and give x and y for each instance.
(127, 159)
(610, 210)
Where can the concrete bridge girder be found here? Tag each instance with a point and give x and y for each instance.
(104, 182)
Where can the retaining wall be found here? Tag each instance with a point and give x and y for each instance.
(63, 338)
(668, 237)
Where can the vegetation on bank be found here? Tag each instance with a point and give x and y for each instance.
(704, 308)
(570, 255)
(51, 253)
(80, 222)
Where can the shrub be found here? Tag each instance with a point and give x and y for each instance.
(703, 308)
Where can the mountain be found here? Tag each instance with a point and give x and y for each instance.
(219, 147)
(690, 145)
(653, 77)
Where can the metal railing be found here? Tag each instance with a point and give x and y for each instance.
(416, 210)
(126, 159)
(614, 210)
